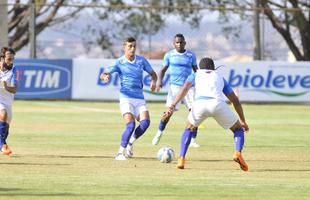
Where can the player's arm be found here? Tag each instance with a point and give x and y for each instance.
(183, 91)
(194, 67)
(105, 76)
(161, 76)
(11, 89)
(153, 81)
(237, 105)
(12, 86)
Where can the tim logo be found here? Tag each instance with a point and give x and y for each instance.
(44, 80)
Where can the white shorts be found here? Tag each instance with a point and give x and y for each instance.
(133, 106)
(8, 111)
(188, 99)
(219, 110)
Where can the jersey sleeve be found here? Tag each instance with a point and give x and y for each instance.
(191, 78)
(227, 89)
(113, 68)
(166, 60)
(147, 66)
(14, 79)
(194, 62)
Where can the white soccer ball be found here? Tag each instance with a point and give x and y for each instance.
(165, 154)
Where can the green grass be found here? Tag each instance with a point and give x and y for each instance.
(65, 150)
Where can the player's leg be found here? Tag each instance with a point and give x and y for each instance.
(173, 91)
(144, 119)
(5, 150)
(129, 119)
(196, 116)
(184, 144)
(189, 100)
(228, 120)
(239, 143)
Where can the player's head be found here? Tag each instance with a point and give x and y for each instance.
(7, 57)
(129, 46)
(206, 63)
(179, 42)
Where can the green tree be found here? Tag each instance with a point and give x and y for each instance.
(287, 17)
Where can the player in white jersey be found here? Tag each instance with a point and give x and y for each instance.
(130, 68)
(210, 88)
(8, 88)
(180, 63)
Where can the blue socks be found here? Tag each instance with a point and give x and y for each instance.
(194, 135)
(144, 124)
(239, 139)
(3, 133)
(130, 127)
(185, 141)
(162, 125)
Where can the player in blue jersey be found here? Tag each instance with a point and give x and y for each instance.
(130, 68)
(8, 88)
(210, 88)
(180, 63)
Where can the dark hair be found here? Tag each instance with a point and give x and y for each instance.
(4, 50)
(129, 39)
(179, 35)
(206, 63)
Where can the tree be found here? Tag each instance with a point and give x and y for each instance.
(288, 17)
(46, 12)
(140, 18)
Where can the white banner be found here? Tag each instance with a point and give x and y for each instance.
(268, 81)
(87, 85)
(253, 81)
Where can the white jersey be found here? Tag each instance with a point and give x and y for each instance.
(9, 76)
(209, 85)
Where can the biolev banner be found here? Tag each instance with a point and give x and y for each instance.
(44, 79)
(268, 81)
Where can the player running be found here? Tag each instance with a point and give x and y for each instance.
(210, 102)
(181, 63)
(130, 68)
(8, 88)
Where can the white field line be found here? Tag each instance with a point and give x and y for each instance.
(82, 108)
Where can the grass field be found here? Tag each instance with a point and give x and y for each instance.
(65, 150)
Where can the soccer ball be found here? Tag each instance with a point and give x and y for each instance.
(165, 154)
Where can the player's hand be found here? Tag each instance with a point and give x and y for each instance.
(245, 126)
(153, 86)
(170, 110)
(4, 83)
(105, 77)
(158, 88)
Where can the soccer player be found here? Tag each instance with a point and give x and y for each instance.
(181, 63)
(130, 68)
(210, 102)
(8, 88)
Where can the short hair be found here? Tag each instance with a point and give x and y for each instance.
(4, 50)
(206, 63)
(179, 35)
(129, 39)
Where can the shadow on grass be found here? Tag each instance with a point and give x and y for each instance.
(280, 170)
(79, 156)
(8, 189)
(38, 164)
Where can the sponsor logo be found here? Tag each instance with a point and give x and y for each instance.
(271, 82)
(42, 78)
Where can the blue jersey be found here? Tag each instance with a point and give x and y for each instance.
(131, 75)
(179, 65)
